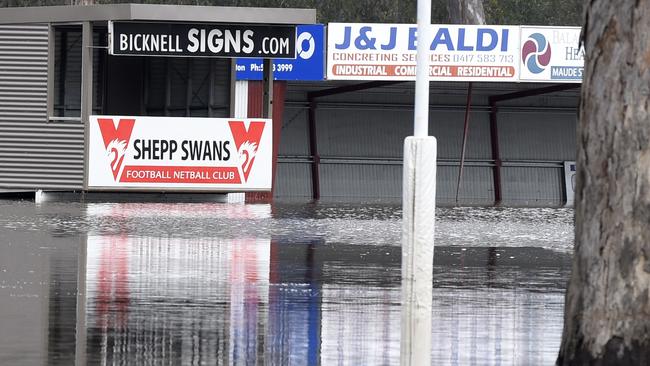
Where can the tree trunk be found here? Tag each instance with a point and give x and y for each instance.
(466, 11)
(607, 312)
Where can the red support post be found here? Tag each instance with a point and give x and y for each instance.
(313, 151)
(255, 110)
(494, 131)
(465, 133)
(496, 155)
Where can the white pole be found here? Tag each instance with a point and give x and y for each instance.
(421, 123)
(418, 217)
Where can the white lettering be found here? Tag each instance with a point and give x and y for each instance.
(124, 42)
(215, 43)
(248, 41)
(178, 44)
(155, 44)
(232, 41)
(194, 42)
(191, 36)
(284, 45)
(202, 40)
(145, 42)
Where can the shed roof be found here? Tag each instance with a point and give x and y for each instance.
(156, 12)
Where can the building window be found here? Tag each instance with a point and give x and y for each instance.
(127, 85)
(67, 70)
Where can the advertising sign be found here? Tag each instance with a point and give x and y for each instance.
(211, 154)
(308, 65)
(551, 54)
(201, 39)
(570, 182)
(388, 52)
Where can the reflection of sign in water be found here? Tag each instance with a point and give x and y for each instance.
(570, 181)
(212, 211)
(142, 289)
(308, 64)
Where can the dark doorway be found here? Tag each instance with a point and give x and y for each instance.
(124, 86)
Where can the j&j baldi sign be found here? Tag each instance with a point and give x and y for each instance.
(367, 51)
(388, 52)
(202, 39)
(211, 154)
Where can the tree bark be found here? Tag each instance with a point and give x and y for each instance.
(466, 11)
(607, 311)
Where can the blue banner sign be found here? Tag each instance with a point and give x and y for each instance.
(308, 64)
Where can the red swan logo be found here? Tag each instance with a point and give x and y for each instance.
(116, 140)
(247, 142)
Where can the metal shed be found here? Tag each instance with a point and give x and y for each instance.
(347, 141)
(55, 73)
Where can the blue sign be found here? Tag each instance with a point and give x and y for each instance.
(567, 72)
(309, 63)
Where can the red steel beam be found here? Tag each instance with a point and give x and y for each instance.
(494, 131)
(313, 151)
(465, 132)
(256, 110)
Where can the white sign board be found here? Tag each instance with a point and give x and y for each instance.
(388, 52)
(162, 153)
(551, 54)
(570, 182)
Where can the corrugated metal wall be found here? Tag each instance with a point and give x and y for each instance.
(539, 135)
(360, 142)
(533, 147)
(33, 153)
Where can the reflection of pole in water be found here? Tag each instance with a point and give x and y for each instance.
(491, 266)
(491, 281)
(313, 275)
(80, 327)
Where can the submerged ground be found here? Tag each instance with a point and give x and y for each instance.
(293, 283)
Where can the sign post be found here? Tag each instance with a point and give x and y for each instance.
(418, 217)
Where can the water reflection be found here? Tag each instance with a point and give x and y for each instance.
(197, 284)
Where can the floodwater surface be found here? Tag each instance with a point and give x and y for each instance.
(287, 284)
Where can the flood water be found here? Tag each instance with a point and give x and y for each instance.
(288, 284)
